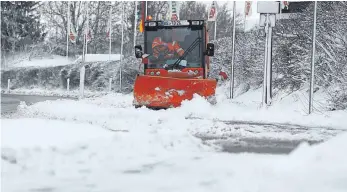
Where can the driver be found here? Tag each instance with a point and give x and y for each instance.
(164, 49)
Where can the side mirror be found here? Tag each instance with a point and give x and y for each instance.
(210, 49)
(138, 51)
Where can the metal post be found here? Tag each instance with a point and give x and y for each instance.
(68, 30)
(82, 74)
(83, 47)
(215, 30)
(110, 35)
(265, 59)
(110, 85)
(135, 32)
(268, 68)
(121, 50)
(68, 84)
(87, 33)
(313, 57)
(146, 10)
(8, 85)
(233, 53)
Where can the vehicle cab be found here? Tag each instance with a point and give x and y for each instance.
(178, 49)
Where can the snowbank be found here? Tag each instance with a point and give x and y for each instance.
(57, 92)
(158, 156)
(99, 57)
(290, 109)
(57, 60)
(53, 61)
(226, 119)
(44, 133)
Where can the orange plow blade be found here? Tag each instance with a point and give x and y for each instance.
(166, 92)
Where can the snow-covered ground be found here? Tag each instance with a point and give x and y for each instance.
(105, 144)
(56, 60)
(99, 57)
(52, 147)
(57, 92)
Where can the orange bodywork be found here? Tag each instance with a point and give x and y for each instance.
(167, 90)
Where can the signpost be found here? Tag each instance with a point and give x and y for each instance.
(313, 57)
(233, 54)
(268, 11)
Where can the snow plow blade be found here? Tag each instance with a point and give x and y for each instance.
(168, 92)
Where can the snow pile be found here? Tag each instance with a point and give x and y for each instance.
(54, 60)
(44, 134)
(227, 119)
(57, 60)
(247, 107)
(57, 92)
(65, 156)
(99, 57)
(316, 168)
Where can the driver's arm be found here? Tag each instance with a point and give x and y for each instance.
(178, 49)
(156, 42)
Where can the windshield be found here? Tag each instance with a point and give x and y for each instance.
(165, 46)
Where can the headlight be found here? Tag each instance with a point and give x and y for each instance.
(196, 71)
(152, 24)
(152, 73)
(195, 22)
(158, 73)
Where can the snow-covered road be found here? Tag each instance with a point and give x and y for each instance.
(67, 145)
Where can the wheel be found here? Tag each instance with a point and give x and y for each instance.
(137, 106)
(212, 100)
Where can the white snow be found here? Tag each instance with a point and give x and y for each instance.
(158, 153)
(180, 92)
(44, 133)
(57, 60)
(105, 144)
(54, 60)
(99, 57)
(56, 92)
(286, 108)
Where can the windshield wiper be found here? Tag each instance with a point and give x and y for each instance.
(186, 52)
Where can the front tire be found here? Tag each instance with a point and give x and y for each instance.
(212, 100)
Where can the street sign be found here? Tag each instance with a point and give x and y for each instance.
(268, 7)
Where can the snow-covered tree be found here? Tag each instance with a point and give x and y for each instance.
(20, 25)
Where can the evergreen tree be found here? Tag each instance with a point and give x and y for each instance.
(20, 25)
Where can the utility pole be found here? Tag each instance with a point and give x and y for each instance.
(313, 57)
(233, 53)
(145, 10)
(121, 50)
(110, 31)
(68, 30)
(135, 24)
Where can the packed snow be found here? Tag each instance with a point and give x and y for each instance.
(56, 92)
(54, 60)
(246, 107)
(104, 144)
(99, 57)
(57, 60)
(54, 155)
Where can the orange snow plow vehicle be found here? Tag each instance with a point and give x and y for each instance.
(176, 64)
